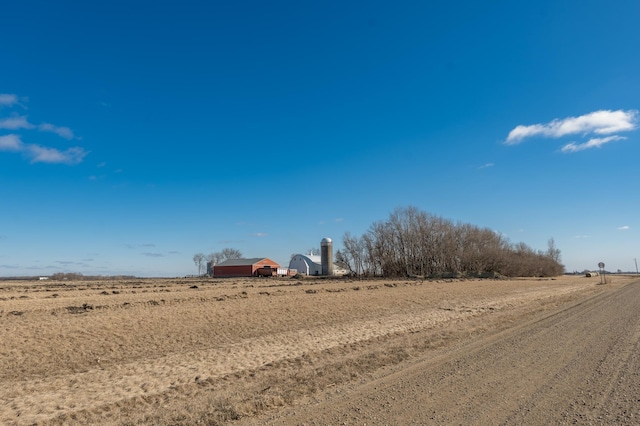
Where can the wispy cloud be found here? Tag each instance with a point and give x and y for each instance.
(34, 152)
(63, 132)
(260, 234)
(591, 143)
(603, 122)
(153, 254)
(11, 143)
(623, 228)
(579, 237)
(133, 246)
(7, 99)
(9, 266)
(42, 154)
(18, 122)
(487, 165)
(69, 263)
(15, 123)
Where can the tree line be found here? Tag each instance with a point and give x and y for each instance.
(76, 276)
(412, 242)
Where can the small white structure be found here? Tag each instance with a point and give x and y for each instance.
(309, 264)
(306, 264)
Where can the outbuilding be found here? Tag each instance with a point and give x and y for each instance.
(306, 264)
(242, 267)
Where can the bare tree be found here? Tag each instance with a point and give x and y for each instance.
(552, 251)
(214, 258)
(340, 259)
(412, 242)
(198, 259)
(220, 256)
(230, 253)
(354, 253)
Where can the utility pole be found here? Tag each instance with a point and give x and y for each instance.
(634, 259)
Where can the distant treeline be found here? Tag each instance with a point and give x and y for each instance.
(415, 243)
(69, 276)
(75, 276)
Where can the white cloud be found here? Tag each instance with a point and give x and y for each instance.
(20, 122)
(63, 132)
(591, 143)
(484, 166)
(148, 254)
(15, 123)
(34, 152)
(260, 234)
(11, 143)
(7, 99)
(42, 154)
(603, 122)
(623, 228)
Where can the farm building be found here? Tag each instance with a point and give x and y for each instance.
(242, 267)
(309, 264)
(306, 264)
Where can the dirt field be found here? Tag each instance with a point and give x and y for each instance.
(283, 351)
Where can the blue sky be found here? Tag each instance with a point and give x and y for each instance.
(136, 134)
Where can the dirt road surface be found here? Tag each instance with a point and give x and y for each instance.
(576, 365)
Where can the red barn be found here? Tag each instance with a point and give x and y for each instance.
(242, 267)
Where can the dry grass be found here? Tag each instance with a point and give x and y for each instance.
(214, 351)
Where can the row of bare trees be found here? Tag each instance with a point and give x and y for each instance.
(412, 242)
(214, 258)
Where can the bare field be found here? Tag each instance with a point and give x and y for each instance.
(171, 351)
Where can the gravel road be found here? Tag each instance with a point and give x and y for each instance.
(578, 365)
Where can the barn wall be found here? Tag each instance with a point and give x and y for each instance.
(221, 271)
(262, 264)
(233, 271)
(304, 265)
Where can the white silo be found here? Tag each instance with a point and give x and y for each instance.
(326, 256)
